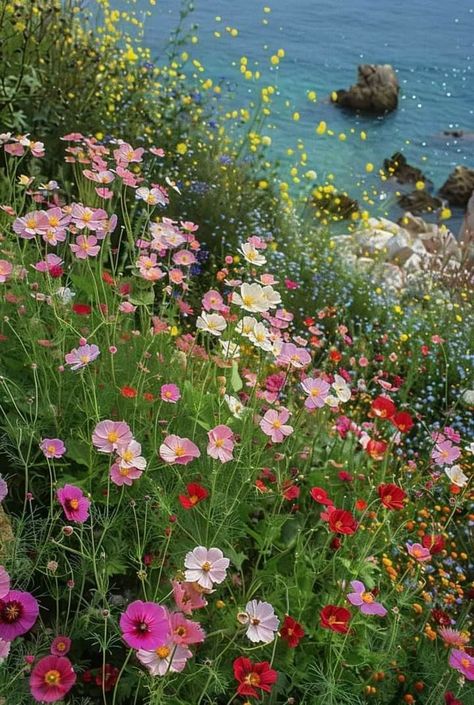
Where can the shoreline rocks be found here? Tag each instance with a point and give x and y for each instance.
(459, 186)
(376, 90)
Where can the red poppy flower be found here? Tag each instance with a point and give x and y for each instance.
(196, 494)
(376, 449)
(335, 355)
(450, 699)
(290, 491)
(403, 421)
(360, 505)
(383, 407)
(342, 522)
(128, 392)
(391, 496)
(108, 279)
(291, 631)
(148, 396)
(434, 542)
(440, 617)
(82, 309)
(335, 618)
(319, 495)
(252, 675)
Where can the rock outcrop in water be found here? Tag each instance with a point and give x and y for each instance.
(419, 202)
(398, 167)
(459, 186)
(376, 90)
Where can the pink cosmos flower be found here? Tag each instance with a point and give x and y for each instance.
(53, 447)
(18, 613)
(4, 582)
(212, 301)
(80, 357)
(221, 443)
(126, 154)
(31, 224)
(6, 268)
(184, 631)
(453, 637)
(4, 650)
(127, 307)
(274, 425)
(51, 679)
(445, 453)
(121, 475)
(109, 436)
(262, 621)
(165, 659)
(60, 646)
(317, 390)
(365, 600)
(91, 218)
(85, 246)
(170, 393)
(178, 450)
(419, 552)
(291, 355)
(184, 258)
(188, 596)
(129, 456)
(463, 663)
(205, 566)
(75, 505)
(50, 264)
(144, 625)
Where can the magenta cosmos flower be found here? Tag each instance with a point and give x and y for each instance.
(262, 621)
(60, 646)
(274, 424)
(205, 566)
(144, 625)
(463, 663)
(53, 447)
(80, 357)
(18, 613)
(170, 393)
(221, 443)
(51, 679)
(365, 600)
(74, 503)
(109, 436)
(178, 450)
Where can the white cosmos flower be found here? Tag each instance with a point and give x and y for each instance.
(456, 475)
(271, 296)
(229, 349)
(332, 401)
(342, 389)
(260, 337)
(205, 566)
(251, 298)
(211, 323)
(235, 406)
(65, 294)
(262, 621)
(246, 325)
(252, 255)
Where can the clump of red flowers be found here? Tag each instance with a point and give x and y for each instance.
(253, 677)
(291, 631)
(342, 522)
(391, 496)
(335, 618)
(195, 494)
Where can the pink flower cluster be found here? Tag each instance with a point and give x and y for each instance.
(116, 437)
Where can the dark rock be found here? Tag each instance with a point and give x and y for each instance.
(458, 187)
(376, 90)
(453, 133)
(337, 205)
(419, 202)
(404, 173)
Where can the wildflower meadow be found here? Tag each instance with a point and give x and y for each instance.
(236, 468)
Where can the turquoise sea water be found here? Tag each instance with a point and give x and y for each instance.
(429, 42)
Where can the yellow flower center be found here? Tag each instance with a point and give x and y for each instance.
(52, 677)
(163, 651)
(206, 567)
(112, 437)
(367, 597)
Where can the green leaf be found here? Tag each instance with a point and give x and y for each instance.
(235, 379)
(143, 298)
(83, 283)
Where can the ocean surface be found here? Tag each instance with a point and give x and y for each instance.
(429, 42)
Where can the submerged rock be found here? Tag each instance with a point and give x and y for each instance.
(398, 167)
(419, 202)
(376, 90)
(459, 186)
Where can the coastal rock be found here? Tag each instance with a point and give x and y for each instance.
(459, 186)
(336, 204)
(376, 90)
(404, 172)
(419, 202)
